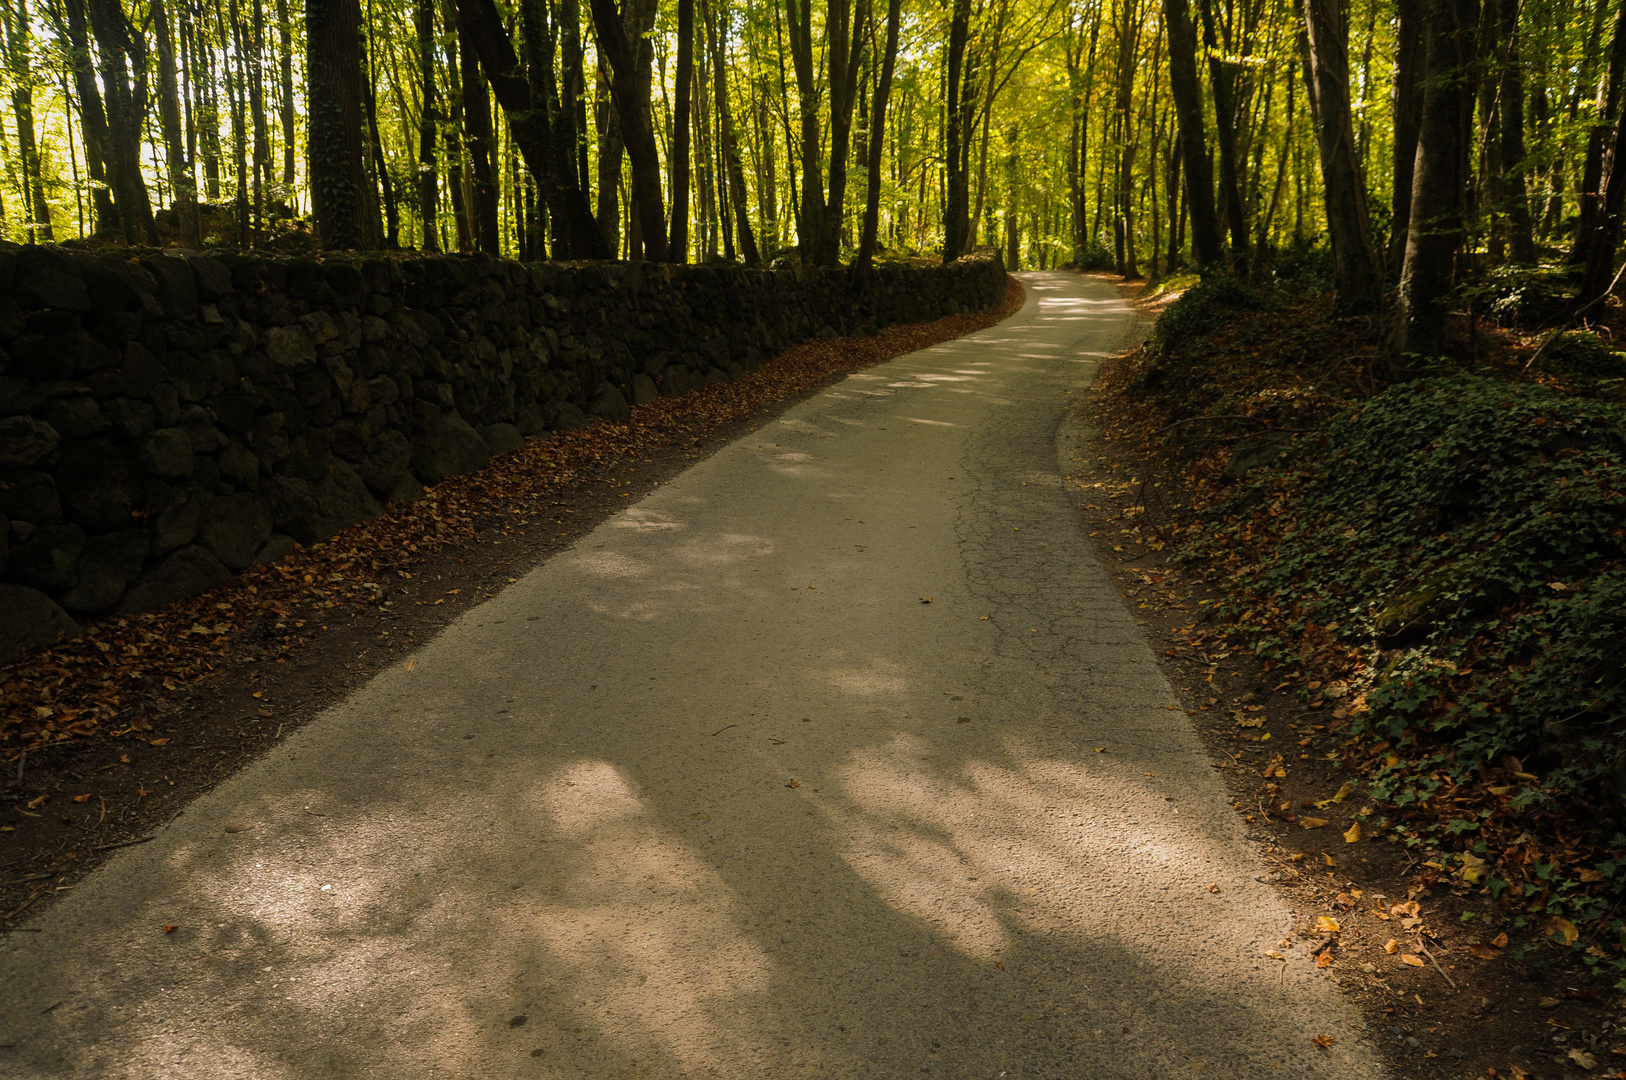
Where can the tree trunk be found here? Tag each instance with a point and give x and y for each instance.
(477, 137)
(610, 149)
(957, 139)
(682, 122)
(93, 122)
(1436, 223)
(428, 180)
(1222, 77)
(114, 41)
(1514, 164)
(1188, 105)
(729, 147)
(845, 30)
(810, 210)
(877, 136)
(527, 98)
(456, 183)
(629, 92)
(1408, 115)
(169, 112)
(340, 193)
(1355, 271)
(1599, 139)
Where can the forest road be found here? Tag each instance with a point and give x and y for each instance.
(717, 792)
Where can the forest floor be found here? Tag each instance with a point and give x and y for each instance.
(1457, 982)
(106, 736)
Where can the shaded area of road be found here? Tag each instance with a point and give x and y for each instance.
(837, 756)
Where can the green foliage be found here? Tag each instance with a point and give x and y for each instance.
(1525, 295)
(1470, 533)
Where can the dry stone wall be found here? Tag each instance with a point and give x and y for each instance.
(169, 419)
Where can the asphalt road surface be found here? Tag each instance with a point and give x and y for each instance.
(789, 769)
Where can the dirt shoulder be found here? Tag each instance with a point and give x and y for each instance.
(1451, 986)
(111, 734)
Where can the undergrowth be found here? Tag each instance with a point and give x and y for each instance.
(1444, 559)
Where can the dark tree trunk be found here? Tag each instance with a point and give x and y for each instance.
(116, 45)
(610, 149)
(1599, 268)
(1408, 117)
(1355, 270)
(629, 92)
(845, 28)
(1599, 139)
(93, 122)
(1436, 221)
(729, 150)
(346, 214)
(877, 136)
(1188, 105)
(527, 99)
(428, 179)
(682, 123)
(1222, 77)
(456, 181)
(957, 138)
(37, 212)
(477, 137)
(169, 112)
(1515, 166)
(285, 102)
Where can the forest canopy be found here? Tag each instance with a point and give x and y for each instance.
(1407, 143)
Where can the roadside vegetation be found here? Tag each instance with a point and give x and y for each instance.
(1437, 555)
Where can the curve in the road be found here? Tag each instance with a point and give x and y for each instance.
(839, 755)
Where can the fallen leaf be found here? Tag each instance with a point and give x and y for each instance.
(1343, 793)
(1548, 1003)
(1327, 859)
(81, 798)
(1324, 960)
(1583, 1059)
(1352, 835)
(1557, 925)
(1324, 1041)
(170, 929)
(1589, 875)
(35, 804)
(1408, 908)
(410, 664)
(1313, 822)
(794, 783)
(1483, 951)
(1500, 941)
(1391, 946)
(158, 742)
(1559, 586)
(1213, 887)
(1327, 924)
(1472, 868)
(925, 599)
(1412, 960)
(1250, 721)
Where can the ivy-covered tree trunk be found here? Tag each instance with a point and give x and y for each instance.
(346, 216)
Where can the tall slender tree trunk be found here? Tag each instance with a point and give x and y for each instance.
(1515, 165)
(1188, 105)
(345, 215)
(1599, 138)
(479, 139)
(22, 102)
(877, 136)
(169, 112)
(1355, 270)
(610, 149)
(116, 47)
(285, 99)
(1222, 78)
(1436, 221)
(1408, 115)
(428, 115)
(715, 31)
(678, 247)
(956, 138)
(92, 120)
(629, 56)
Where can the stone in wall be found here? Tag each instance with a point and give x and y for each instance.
(168, 418)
